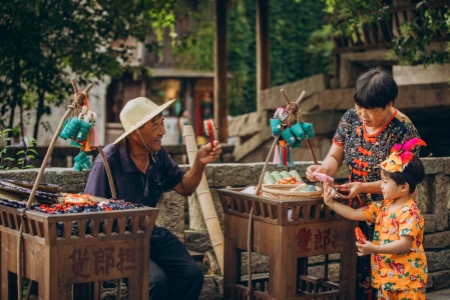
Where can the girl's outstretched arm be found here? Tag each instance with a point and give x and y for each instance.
(400, 246)
(342, 209)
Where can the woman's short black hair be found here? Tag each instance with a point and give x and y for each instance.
(375, 88)
(413, 174)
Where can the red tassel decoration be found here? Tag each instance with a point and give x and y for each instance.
(284, 152)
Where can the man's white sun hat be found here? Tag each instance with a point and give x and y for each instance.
(137, 112)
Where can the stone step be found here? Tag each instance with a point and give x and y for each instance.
(212, 288)
(197, 256)
(439, 295)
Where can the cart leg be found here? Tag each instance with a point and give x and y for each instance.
(8, 281)
(138, 286)
(283, 269)
(232, 257)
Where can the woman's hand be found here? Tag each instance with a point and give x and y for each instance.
(315, 169)
(328, 194)
(366, 248)
(355, 189)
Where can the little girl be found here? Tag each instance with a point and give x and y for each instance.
(399, 265)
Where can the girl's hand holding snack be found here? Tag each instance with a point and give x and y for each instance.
(366, 248)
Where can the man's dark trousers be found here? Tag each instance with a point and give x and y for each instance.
(174, 274)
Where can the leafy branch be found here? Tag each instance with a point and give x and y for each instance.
(422, 37)
(4, 146)
(28, 153)
(25, 155)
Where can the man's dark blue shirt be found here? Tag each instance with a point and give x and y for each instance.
(130, 183)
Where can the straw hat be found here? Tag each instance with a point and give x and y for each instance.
(137, 112)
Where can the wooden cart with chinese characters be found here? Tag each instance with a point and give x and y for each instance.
(70, 255)
(94, 247)
(288, 232)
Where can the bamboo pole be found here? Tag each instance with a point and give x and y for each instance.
(266, 164)
(205, 199)
(108, 172)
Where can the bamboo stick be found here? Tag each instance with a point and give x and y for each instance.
(108, 172)
(74, 86)
(205, 199)
(266, 164)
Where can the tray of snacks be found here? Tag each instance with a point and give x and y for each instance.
(288, 186)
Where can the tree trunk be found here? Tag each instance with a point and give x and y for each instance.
(39, 113)
(11, 116)
(22, 132)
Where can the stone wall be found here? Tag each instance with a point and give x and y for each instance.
(434, 201)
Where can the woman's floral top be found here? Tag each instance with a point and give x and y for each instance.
(402, 271)
(362, 152)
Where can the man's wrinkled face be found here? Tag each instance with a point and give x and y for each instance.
(152, 133)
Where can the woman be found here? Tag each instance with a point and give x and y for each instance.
(362, 140)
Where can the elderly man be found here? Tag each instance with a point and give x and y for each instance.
(142, 170)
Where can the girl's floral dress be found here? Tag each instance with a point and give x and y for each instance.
(402, 271)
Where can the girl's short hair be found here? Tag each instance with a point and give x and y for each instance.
(375, 88)
(413, 174)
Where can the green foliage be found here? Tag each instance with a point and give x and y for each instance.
(295, 27)
(242, 57)
(28, 153)
(4, 146)
(24, 155)
(416, 35)
(45, 42)
(299, 45)
(319, 50)
(349, 15)
(194, 51)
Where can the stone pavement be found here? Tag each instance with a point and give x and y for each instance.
(439, 295)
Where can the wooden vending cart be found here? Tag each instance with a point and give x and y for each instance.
(90, 256)
(288, 232)
(93, 246)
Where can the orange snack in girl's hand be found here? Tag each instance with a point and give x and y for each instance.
(360, 237)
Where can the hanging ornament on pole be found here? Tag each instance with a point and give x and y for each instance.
(288, 123)
(80, 128)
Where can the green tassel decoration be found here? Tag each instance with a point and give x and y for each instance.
(309, 130)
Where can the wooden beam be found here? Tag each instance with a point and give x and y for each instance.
(262, 45)
(220, 72)
(415, 96)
